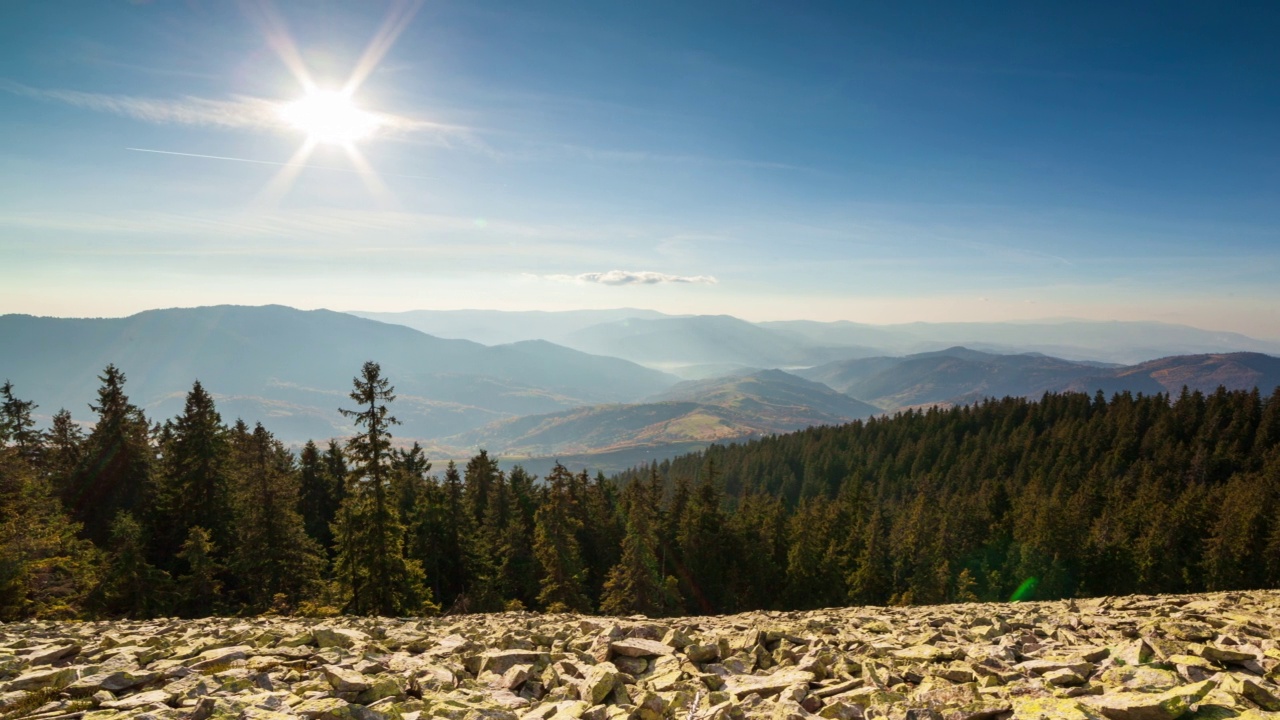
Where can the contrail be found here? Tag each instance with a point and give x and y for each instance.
(268, 162)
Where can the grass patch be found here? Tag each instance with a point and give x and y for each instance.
(29, 703)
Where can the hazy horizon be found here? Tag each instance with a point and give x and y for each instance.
(879, 164)
(874, 323)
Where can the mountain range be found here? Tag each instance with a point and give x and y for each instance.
(697, 346)
(292, 369)
(961, 375)
(600, 399)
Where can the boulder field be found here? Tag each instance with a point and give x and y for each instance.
(1210, 657)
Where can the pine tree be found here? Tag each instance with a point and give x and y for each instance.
(272, 554)
(372, 565)
(64, 445)
(130, 585)
(517, 571)
(46, 571)
(457, 557)
(193, 487)
(635, 584)
(555, 545)
(116, 465)
(322, 476)
(17, 426)
(704, 545)
(482, 477)
(199, 589)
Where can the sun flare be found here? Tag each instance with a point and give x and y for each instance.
(330, 117)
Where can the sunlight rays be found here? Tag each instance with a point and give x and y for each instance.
(372, 181)
(397, 20)
(283, 180)
(326, 116)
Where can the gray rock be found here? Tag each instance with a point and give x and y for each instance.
(639, 647)
(344, 680)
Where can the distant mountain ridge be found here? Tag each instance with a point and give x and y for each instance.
(293, 367)
(536, 399)
(696, 346)
(961, 375)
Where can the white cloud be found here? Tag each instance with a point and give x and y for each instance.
(238, 113)
(627, 277)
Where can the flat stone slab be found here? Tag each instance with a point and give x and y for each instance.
(765, 685)
(640, 647)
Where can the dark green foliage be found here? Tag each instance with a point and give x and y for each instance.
(636, 585)
(130, 585)
(706, 548)
(372, 567)
(193, 485)
(17, 427)
(1072, 495)
(116, 462)
(1088, 496)
(555, 545)
(199, 589)
(322, 477)
(271, 553)
(45, 570)
(64, 446)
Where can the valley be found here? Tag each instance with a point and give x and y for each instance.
(598, 389)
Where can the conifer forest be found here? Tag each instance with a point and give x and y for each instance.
(117, 514)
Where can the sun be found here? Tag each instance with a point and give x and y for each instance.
(330, 117)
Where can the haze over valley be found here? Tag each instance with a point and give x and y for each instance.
(602, 390)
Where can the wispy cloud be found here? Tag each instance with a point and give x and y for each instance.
(627, 277)
(239, 112)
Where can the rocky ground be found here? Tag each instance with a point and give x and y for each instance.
(1132, 658)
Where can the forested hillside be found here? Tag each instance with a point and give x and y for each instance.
(1071, 495)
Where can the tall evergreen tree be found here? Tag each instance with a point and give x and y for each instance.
(704, 546)
(46, 571)
(372, 565)
(116, 465)
(64, 445)
(17, 426)
(635, 584)
(200, 588)
(555, 545)
(457, 559)
(517, 570)
(322, 476)
(272, 554)
(130, 585)
(194, 486)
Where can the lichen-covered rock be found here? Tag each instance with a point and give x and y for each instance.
(1167, 705)
(1202, 657)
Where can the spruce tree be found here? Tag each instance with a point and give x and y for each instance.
(635, 584)
(372, 565)
(64, 445)
(703, 545)
(555, 545)
(46, 571)
(322, 476)
(130, 585)
(116, 465)
(272, 554)
(517, 571)
(199, 589)
(193, 487)
(17, 426)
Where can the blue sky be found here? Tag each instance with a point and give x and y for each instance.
(877, 162)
